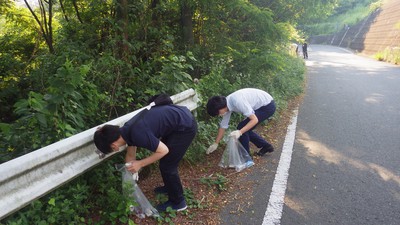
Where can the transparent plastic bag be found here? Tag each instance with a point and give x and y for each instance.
(235, 156)
(130, 188)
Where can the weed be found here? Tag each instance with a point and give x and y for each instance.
(391, 55)
(219, 182)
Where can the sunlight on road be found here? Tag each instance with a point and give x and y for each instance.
(320, 150)
(310, 63)
(317, 149)
(374, 98)
(298, 205)
(324, 58)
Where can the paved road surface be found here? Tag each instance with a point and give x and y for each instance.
(345, 162)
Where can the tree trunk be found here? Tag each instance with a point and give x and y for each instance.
(77, 11)
(46, 26)
(122, 21)
(63, 11)
(187, 23)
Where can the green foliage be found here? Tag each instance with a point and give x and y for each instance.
(113, 205)
(61, 207)
(219, 182)
(298, 11)
(18, 47)
(347, 13)
(391, 55)
(79, 201)
(203, 139)
(216, 82)
(345, 6)
(168, 216)
(173, 75)
(191, 201)
(69, 104)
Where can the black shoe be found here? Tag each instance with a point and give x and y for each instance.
(177, 207)
(265, 149)
(161, 190)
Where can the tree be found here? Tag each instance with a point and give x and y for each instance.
(123, 22)
(298, 11)
(186, 22)
(44, 20)
(19, 47)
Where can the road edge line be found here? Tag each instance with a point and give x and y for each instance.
(273, 213)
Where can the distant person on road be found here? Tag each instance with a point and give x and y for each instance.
(256, 105)
(165, 129)
(304, 48)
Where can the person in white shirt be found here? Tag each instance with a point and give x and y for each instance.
(255, 104)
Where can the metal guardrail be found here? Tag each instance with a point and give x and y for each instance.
(35, 174)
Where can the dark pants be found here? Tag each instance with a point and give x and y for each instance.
(262, 114)
(305, 54)
(177, 143)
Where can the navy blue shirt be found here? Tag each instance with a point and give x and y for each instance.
(158, 122)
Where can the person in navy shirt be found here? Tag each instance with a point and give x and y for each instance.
(167, 130)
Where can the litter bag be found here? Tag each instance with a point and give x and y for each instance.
(235, 156)
(130, 188)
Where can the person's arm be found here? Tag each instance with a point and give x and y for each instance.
(253, 120)
(220, 135)
(160, 152)
(130, 154)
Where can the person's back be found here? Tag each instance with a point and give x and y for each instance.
(304, 47)
(305, 53)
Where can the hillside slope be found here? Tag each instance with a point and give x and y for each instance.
(380, 30)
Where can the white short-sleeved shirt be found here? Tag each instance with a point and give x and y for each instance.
(245, 101)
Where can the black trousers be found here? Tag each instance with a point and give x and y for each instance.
(177, 142)
(262, 114)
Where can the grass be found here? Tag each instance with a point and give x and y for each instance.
(351, 17)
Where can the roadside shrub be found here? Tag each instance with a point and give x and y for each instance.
(391, 55)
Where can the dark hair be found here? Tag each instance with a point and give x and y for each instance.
(160, 99)
(214, 104)
(105, 136)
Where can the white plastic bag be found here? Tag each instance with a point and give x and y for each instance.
(131, 189)
(235, 156)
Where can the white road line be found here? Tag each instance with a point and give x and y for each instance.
(276, 199)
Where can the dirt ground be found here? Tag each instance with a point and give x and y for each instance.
(210, 196)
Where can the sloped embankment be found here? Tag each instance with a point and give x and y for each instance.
(380, 30)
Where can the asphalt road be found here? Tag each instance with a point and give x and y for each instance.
(345, 161)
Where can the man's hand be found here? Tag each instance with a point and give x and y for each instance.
(212, 148)
(236, 134)
(133, 166)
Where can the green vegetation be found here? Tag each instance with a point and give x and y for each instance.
(347, 13)
(219, 182)
(67, 66)
(192, 203)
(391, 55)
